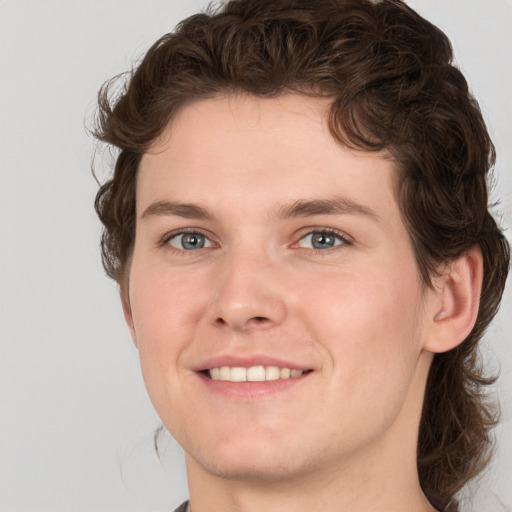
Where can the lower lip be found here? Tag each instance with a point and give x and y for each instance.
(251, 390)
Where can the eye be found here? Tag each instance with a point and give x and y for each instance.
(322, 240)
(189, 241)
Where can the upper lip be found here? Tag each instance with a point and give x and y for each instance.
(247, 361)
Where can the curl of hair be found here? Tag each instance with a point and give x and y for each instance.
(393, 86)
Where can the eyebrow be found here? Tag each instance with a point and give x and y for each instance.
(332, 206)
(173, 208)
(299, 208)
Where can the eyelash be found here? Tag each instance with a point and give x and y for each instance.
(344, 238)
(175, 234)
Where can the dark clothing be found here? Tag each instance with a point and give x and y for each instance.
(183, 507)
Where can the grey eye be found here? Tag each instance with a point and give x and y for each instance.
(189, 241)
(320, 240)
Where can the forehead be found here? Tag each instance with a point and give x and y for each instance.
(243, 121)
(235, 148)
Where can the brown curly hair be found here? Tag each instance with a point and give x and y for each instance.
(393, 85)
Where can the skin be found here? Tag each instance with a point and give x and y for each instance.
(344, 435)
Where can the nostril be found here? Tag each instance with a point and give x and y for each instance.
(256, 321)
(242, 323)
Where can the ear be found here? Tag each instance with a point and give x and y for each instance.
(454, 307)
(128, 316)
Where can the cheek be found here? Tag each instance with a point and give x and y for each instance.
(161, 302)
(158, 306)
(368, 325)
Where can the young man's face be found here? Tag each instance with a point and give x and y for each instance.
(264, 248)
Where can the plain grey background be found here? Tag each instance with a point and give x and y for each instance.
(76, 425)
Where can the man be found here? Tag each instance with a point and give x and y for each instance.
(299, 226)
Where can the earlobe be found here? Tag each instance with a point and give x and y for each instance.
(456, 304)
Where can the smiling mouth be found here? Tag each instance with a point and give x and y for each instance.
(253, 374)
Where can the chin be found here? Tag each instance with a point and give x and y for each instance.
(251, 470)
(254, 460)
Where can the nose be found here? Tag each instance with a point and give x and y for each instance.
(248, 293)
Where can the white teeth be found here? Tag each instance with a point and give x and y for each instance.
(285, 373)
(225, 373)
(253, 374)
(256, 374)
(238, 374)
(271, 373)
